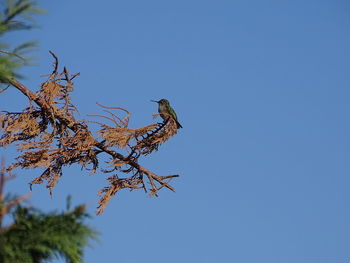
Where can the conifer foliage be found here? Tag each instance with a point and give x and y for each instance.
(32, 236)
(15, 15)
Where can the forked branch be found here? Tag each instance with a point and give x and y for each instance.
(50, 136)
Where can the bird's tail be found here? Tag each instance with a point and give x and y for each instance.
(178, 124)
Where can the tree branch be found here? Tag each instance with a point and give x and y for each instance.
(81, 147)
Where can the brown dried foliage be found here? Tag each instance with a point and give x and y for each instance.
(49, 136)
(6, 207)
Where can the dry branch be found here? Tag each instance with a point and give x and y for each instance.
(49, 136)
(5, 208)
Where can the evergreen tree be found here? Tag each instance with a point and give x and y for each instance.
(33, 236)
(15, 15)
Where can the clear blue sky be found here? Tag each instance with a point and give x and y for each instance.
(262, 91)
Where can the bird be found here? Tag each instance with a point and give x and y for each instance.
(166, 111)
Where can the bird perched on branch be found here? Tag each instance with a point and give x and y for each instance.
(166, 111)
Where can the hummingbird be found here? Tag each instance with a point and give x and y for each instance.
(166, 111)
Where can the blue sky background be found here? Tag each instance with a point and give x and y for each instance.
(262, 91)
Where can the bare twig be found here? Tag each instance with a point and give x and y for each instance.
(55, 63)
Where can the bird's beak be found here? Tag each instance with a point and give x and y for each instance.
(155, 101)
